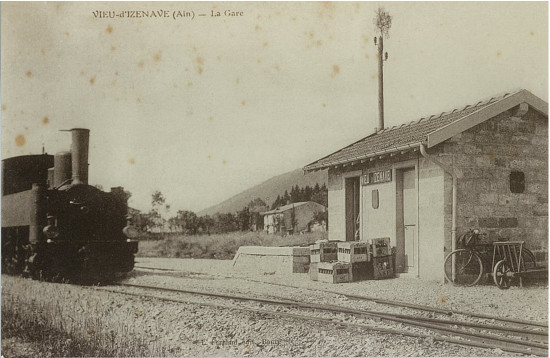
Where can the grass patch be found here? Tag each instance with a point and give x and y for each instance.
(43, 320)
(217, 246)
(36, 337)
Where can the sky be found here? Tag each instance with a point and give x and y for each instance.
(204, 107)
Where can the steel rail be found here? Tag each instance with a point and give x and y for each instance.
(450, 312)
(524, 324)
(418, 307)
(156, 268)
(539, 336)
(439, 325)
(377, 300)
(473, 342)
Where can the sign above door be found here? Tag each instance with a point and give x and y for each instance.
(382, 176)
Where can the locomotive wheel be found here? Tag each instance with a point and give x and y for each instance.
(29, 267)
(10, 264)
(38, 270)
(32, 267)
(502, 275)
(13, 258)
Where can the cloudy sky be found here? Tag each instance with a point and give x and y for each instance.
(203, 107)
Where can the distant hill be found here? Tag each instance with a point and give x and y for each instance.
(268, 189)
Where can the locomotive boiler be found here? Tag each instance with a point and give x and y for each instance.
(56, 226)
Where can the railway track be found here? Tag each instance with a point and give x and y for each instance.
(517, 323)
(522, 338)
(504, 321)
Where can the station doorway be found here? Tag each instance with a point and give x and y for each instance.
(352, 209)
(407, 213)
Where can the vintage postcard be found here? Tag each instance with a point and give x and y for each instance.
(274, 179)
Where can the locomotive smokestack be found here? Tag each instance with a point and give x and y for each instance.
(62, 171)
(79, 155)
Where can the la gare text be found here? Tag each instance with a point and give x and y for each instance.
(130, 14)
(228, 13)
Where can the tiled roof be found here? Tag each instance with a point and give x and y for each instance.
(280, 209)
(398, 137)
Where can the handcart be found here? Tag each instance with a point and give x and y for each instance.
(509, 262)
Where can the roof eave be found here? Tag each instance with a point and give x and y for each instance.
(311, 168)
(339, 150)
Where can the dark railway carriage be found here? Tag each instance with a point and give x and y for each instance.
(56, 225)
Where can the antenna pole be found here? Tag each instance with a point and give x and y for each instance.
(380, 83)
(382, 21)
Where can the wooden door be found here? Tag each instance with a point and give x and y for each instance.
(410, 208)
(352, 209)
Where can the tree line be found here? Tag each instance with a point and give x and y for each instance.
(246, 219)
(318, 194)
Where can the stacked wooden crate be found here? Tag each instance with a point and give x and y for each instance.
(347, 261)
(357, 254)
(334, 272)
(353, 251)
(382, 261)
(324, 265)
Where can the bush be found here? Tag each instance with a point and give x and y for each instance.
(218, 246)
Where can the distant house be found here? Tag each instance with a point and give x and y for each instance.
(296, 217)
(256, 220)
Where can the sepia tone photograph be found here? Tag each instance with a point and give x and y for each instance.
(266, 179)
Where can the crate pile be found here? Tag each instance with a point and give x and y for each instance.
(350, 261)
(382, 261)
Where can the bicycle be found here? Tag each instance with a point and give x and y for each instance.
(467, 265)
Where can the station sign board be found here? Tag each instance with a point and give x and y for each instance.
(381, 176)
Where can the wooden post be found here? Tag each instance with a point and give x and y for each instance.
(381, 83)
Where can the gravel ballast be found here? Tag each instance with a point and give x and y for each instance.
(194, 329)
(529, 303)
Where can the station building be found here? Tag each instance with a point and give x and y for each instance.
(424, 183)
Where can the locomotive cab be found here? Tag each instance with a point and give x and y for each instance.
(18, 176)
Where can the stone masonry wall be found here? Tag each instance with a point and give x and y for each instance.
(485, 155)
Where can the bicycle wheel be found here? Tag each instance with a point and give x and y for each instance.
(529, 259)
(468, 267)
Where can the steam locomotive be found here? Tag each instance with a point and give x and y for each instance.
(56, 226)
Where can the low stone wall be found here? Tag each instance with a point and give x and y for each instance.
(268, 260)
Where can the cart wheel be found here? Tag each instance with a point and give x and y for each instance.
(502, 274)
